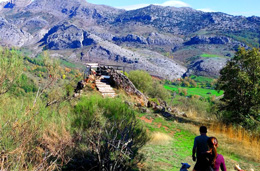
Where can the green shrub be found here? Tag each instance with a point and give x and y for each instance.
(69, 90)
(143, 82)
(110, 131)
(125, 73)
(27, 84)
(11, 65)
(201, 107)
(158, 91)
(141, 79)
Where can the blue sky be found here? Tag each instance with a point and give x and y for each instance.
(234, 7)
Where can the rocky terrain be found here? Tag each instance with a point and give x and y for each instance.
(166, 41)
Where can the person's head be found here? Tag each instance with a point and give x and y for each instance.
(213, 144)
(203, 130)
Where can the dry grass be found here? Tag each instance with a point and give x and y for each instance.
(231, 137)
(30, 140)
(234, 137)
(191, 113)
(159, 138)
(233, 140)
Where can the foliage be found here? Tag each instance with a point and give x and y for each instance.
(26, 84)
(194, 82)
(125, 73)
(11, 64)
(240, 80)
(144, 82)
(195, 104)
(35, 61)
(141, 79)
(110, 131)
(249, 38)
(158, 91)
(32, 135)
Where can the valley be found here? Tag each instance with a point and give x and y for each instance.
(158, 73)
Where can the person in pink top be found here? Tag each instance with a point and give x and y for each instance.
(217, 161)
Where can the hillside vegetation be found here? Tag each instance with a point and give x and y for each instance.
(44, 127)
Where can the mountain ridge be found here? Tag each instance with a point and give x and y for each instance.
(179, 34)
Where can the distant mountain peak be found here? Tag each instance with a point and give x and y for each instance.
(17, 3)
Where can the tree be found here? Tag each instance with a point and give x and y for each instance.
(11, 65)
(240, 80)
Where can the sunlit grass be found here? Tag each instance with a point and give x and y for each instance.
(203, 92)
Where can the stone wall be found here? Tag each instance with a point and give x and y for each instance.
(122, 81)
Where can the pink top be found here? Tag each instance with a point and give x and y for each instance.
(220, 163)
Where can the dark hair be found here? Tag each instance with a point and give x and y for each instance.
(213, 144)
(203, 129)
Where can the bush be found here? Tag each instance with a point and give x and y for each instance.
(141, 79)
(110, 134)
(201, 107)
(143, 82)
(158, 91)
(11, 67)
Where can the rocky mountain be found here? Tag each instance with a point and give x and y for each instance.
(166, 41)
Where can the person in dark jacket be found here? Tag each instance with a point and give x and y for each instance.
(200, 147)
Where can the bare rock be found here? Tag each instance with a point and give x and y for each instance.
(207, 67)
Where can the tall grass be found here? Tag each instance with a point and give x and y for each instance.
(245, 143)
(32, 137)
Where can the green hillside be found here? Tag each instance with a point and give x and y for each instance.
(46, 125)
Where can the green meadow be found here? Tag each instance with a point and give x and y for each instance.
(206, 55)
(203, 92)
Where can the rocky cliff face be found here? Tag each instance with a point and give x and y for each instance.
(11, 35)
(207, 67)
(161, 40)
(221, 40)
(64, 37)
(21, 3)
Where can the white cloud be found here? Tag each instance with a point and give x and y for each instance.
(167, 3)
(206, 10)
(133, 7)
(175, 4)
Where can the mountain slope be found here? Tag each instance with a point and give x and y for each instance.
(179, 35)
